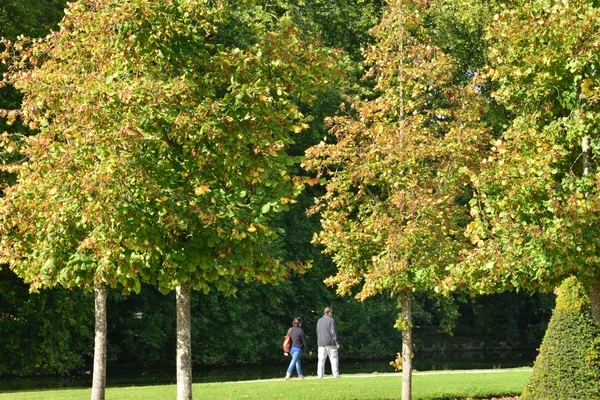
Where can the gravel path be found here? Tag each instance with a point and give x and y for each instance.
(416, 373)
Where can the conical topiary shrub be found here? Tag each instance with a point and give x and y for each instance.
(568, 365)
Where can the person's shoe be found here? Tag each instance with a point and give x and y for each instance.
(301, 377)
(287, 377)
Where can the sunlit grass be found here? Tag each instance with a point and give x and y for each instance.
(456, 384)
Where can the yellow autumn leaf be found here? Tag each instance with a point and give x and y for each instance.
(252, 228)
(585, 87)
(201, 189)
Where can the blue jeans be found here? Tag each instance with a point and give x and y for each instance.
(295, 352)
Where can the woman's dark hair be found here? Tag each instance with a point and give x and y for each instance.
(297, 321)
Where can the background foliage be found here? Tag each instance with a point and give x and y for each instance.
(43, 333)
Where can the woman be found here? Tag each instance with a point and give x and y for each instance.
(298, 344)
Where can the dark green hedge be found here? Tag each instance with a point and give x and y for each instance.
(568, 365)
(45, 333)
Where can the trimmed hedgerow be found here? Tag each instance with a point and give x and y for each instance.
(568, 365)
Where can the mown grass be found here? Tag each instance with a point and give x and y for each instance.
(426, 386)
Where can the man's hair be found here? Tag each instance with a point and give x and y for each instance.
(327, 311)
(297, 321)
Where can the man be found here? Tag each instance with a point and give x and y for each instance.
(328, 344)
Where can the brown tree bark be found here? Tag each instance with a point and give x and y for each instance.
(99, 372)
(407, 345)
(184, 343)
(594, 293)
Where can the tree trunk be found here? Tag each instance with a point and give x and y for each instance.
(407, 346)
(585, 152)
(184, 343)
(99, 373)
(594, 293)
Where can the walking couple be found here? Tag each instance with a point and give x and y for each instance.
(327, 342)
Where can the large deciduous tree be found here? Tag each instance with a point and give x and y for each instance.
(160, 155)
(537, 204)
(396, 199)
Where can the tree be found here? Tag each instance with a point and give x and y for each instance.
(396, 195)
(160, 155)
(536, 204)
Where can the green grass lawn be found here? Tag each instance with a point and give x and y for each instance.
(451, 385)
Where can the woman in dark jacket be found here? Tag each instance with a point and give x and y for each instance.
(298, 344)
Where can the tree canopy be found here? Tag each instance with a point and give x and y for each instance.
(161, 147)
(396, 197)
(536, 204)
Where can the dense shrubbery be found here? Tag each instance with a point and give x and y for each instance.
(52, 332)
(43, 333)
(568, 366)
